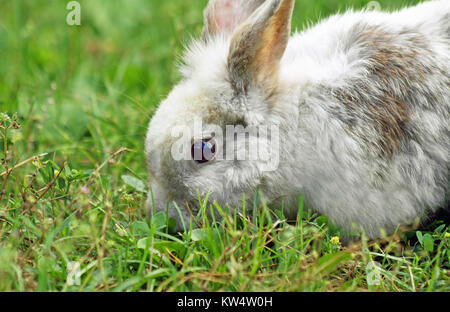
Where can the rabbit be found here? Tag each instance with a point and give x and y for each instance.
(361, 102)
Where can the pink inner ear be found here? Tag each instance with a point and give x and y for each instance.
(225, 15)
(228, 15)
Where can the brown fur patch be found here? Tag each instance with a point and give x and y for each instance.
(258, 46)
(377, 109)
(273, 42)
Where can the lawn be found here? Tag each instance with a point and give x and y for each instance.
(73, 177)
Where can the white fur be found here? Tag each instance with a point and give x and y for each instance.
(319, 158)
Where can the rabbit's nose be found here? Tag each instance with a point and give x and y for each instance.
(180, 216)
(157, 202)
(157, 198)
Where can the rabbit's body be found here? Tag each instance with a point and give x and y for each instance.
(373, 105)
(362, 102)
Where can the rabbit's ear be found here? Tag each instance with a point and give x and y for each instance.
(259, 44)
(224, 16)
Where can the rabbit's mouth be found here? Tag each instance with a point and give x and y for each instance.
(160, 199)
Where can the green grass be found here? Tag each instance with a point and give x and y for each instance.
(78, 96)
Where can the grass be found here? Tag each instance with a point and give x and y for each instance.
(73, 172)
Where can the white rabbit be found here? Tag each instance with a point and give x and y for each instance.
(361, 102)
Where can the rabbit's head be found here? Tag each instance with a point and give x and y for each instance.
(230, 83)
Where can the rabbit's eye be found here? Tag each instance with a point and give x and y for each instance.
(203, 151)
